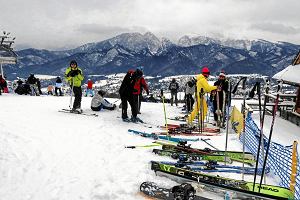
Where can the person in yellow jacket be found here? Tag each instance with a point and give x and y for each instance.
(202, 85)
(74, 76)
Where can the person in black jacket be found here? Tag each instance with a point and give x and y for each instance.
(38, 83)
(32, 81)
(126, 93)
(173, 87)
(218, 97)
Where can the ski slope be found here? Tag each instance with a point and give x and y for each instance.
(49, 155)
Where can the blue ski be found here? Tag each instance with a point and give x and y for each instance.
(214, 167)
(162, 137)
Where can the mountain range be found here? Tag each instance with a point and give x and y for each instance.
(159, 56)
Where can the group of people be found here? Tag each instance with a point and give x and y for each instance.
(31, 86)
(130, 92)
(197, 88)
(57, 89)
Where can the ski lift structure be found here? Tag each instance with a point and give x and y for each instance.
(7, 54)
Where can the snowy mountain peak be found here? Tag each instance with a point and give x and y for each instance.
(196, 40)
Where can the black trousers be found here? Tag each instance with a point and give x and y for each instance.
(131, 100)
(189, 102)
(174, 95)
(77, 94)
(59, 89)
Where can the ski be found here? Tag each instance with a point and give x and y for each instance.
(162, 137)
(186, 133)
(183, 119)
(216, 156)
(238, 186)
(190, 156)
(78, 113)
(213, 166)
(185, 127)
(233, 155)
(183, 191)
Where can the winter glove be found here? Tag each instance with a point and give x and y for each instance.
(73, 73)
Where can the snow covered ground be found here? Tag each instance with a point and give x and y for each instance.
(49, 155)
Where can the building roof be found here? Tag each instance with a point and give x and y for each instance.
(291, 75)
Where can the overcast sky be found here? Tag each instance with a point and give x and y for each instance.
(63, 24)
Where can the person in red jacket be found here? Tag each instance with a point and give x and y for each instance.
(89, 89)
(138, 87)
(3, 85)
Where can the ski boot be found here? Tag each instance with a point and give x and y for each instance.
(184, 191)
(76, 110)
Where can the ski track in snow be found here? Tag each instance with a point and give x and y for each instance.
(46, 154)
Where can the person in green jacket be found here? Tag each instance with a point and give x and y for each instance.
(74, 76)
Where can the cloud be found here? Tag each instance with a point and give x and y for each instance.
(275, 28)
(58, 24)
(100, 29)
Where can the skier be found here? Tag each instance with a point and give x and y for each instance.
(89, 89)
(74, 76)
(50, 89)
(38, 84)
(58, 84)
(126, 94)
(173, 87)
(218, 98)
(201, 85)
(32, 81)
(98, 102)
(189, 92)
(138, 87)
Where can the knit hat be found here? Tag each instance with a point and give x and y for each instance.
(205, 71)
(222, 74)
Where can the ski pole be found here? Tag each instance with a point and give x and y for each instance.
(205, 140)
(270, 137)
(142, 146)
(165, 114)
(261, 119)
(244, 121)
(201, 109)
(227, 119)
(72, 86)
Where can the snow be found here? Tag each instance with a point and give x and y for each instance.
(44, 77)
(46, 154)
(289, 74)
